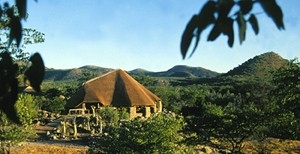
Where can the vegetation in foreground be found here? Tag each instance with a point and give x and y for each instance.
(229, 111)
(243, 114)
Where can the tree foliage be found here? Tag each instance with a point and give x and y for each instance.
(217, 13)
(10, 19)
(231, 112)
(287, 81)
(286, 95)
(26, 110)
(225, 126)
(54, 104)
(158, 134)
(145, 80)
(26, 107)
(111, 116)
(86, 75)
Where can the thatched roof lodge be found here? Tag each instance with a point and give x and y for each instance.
(116, 89)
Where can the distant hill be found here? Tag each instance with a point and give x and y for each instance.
(179, 71)
(260, 66)
(73, 74)
(176, 71)
(140, 71)
(187, 71)
(96, 69)
(256, 69)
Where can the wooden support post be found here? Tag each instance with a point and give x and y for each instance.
(93, 109)
(83, 106)
(159, 106)
(132, 112)
(147, 112)
(75, 128)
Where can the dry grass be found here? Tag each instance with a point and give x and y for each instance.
(48, 148)
(270, 145)
(273, 146)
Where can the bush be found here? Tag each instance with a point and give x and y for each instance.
(26, 107)
(158, 134)
(112, 116)
(26, 110)
(54, 105)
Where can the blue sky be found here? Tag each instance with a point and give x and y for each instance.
(146, 34)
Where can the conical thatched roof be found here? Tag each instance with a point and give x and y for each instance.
(116, 88)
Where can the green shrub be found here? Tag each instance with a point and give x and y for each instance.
(54, 105)
(26, 109)
(158, 134)
(111, 115)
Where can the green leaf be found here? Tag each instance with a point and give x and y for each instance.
(253, 22)
(273, 11)
(228, 30)
(245, 6)
(187, 35)
(15, 31)
(35, 73)
(22, 8)
(242, 27)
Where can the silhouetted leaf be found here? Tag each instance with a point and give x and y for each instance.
(8, 86)
(245, 6)
(35, 73)
(205, 18)
(196, 42)
(228, 30)
(254, 24)
(1, 11)
(195, 27)
(6, 4)
(224, 8)
(215, 32)
(188, 34)
(242, 27)
(8, 102)
(208, 10)
(15, 31)
(22, 8)
(273, 11)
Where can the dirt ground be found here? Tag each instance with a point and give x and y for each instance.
(44, 146)
(48, 147)
(272, 146)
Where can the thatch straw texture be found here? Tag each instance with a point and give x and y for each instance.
(116, 88)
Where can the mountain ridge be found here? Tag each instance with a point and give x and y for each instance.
(259, 66)
(176, 71)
